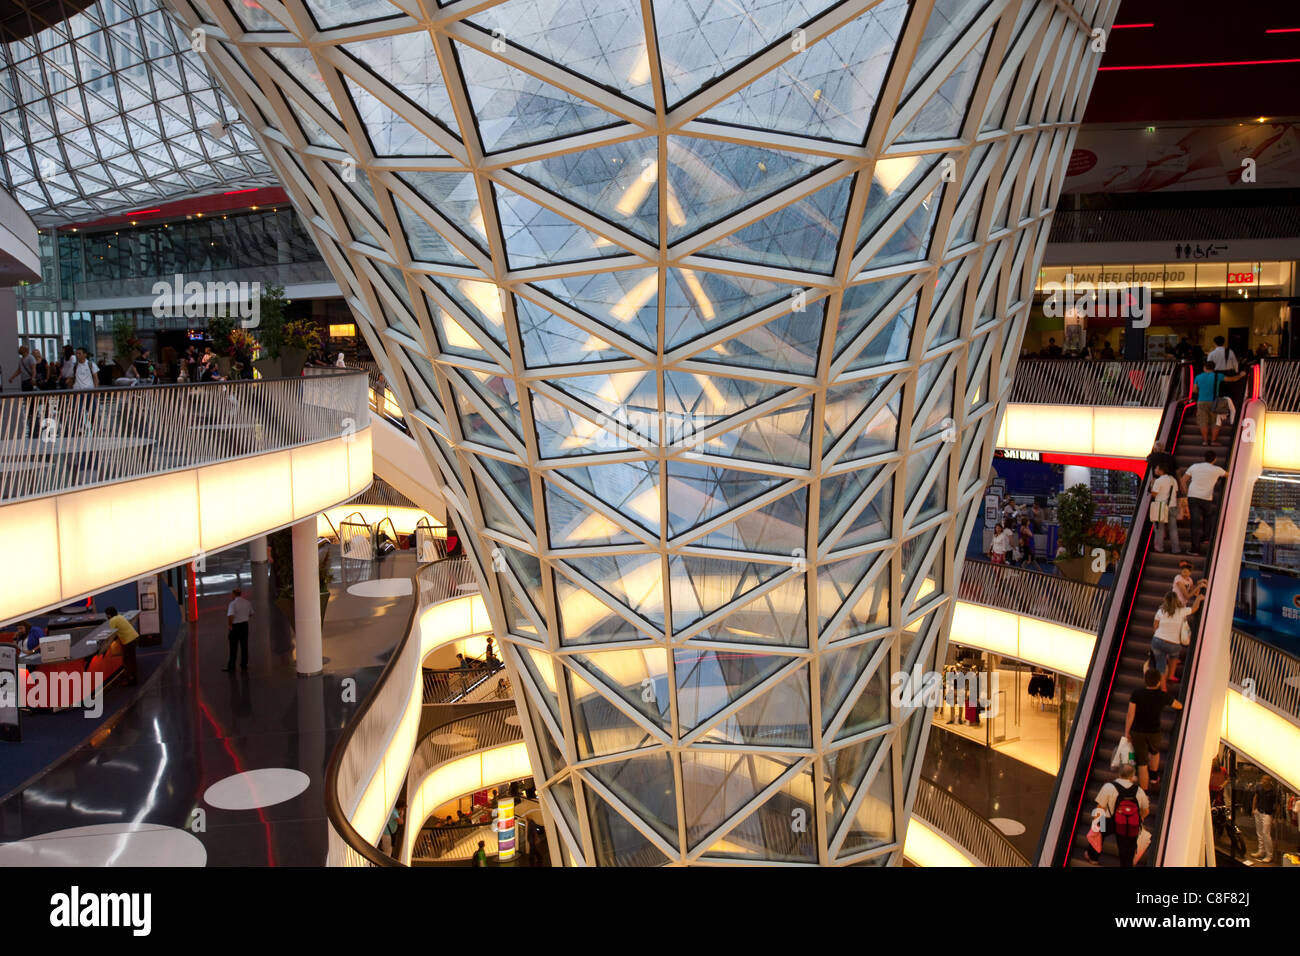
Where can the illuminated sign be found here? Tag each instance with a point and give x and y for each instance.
(1020, 455)
(1241, 278)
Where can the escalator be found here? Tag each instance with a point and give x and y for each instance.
(1145, 577)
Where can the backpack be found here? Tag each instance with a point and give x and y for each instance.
(1127, 816)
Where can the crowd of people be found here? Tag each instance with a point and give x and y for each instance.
(1013, 536)
(1185, 351)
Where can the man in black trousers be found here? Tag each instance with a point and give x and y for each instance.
(238, 612)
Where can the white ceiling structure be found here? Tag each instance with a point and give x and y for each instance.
(109, 110)
(706, 313)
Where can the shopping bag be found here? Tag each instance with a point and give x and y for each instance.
(1144, 841)
(1159, 512)
(1094, 841)
(1123, 754)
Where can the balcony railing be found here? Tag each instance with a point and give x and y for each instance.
(1266, 673)
(461, 685)
(1280, 385)
(54, 442)
(1085, 382)
(1021, 591)
(360, 753)
(970, 831)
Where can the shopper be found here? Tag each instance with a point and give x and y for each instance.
(1164, 509)
(238, 611)
(1158, 457)
(1124, 805)
(1142, 727)
(1001, 545)
(1208, 389)
(1262, 807)
(85, 373)
(1184, 586)
(1172, 632)
(1201, 480)
(67, 367)
(1027, 556)
(26, 368)
(126, 636)
(480, 855)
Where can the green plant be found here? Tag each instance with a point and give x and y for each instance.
(219, 329)
(270, 321)
(281, 547)
(1074, 510)
(125, 342)
(301, 334)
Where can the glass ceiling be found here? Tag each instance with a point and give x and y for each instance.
(110, 110)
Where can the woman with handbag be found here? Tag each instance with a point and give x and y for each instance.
(1172, 632)
(1164, 509)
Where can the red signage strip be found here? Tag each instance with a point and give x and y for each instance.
(1136, 465)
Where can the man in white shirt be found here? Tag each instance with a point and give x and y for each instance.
(1224, 359)
(1164, 497)
(1201, 479)
(1108, 798)
(238, 613)
(85, 372)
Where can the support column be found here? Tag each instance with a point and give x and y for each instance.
(257, 550)
(306, 599)
(8, 340)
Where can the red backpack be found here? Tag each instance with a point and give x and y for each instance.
(1128, 815)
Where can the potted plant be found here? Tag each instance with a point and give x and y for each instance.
(300, 338)
(270, 332)
(242, 347)
(219, 329)
(281, 546)
(126, 345)
(1074, 511)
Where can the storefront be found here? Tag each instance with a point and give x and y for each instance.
(1237, 790)
(1248, 303)
(1268, 595)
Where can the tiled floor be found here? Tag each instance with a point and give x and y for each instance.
(194, 725)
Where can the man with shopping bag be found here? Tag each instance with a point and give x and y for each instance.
(1121, 807)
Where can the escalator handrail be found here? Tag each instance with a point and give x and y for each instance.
(1194, 659)
(1058, 832)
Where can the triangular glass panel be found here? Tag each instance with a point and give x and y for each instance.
(702, 585)
(514, 108)
(535, 236)
(780, 437)
(500, 394)
(408, 63)
(573, 524)
(700, 42)
(562, 433)
(804, 235)
(602, 41)
(630, 488)
(617, 182)
(892, 181)
(424, 242)
(600, 728)
(709, 180)
(626, 300)
(698, 302)
(706, 400)
(715, 785)
(871, 709)
(944, 113)
(910, 242)
(846, 768)
(777, 718)
(873, 824)
(584, 619)
(839, 493)
(453, 338)
(845, 404)
(789, 343)
(828, 90)
(910, 736)
(542, 670)
(328, 15)
(634, 580)
(873, 523)
(550, 340)
(390, 133)
(836, 581)
(638, 675)
(645, 784)
(617, 842)
(628, 398)
(880, 434)
(495, 515)
(481, 301)
(948, 21)
(782, 829)
(698, 493)
(840, 670)
(779, 528)
(454, 197)
(299, 63)
(777, 617)
(708, 680)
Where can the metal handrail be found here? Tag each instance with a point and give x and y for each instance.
(454, 684)
(1035, 593)
(1274, 675)
(451, 844)
(1089, 382)
(959, 822)
(1280, 385)
(366, 736)
(54, 442)
(481, 731)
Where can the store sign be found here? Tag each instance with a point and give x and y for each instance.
(1019, 455)
(1241, 278)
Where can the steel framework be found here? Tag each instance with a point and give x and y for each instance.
(706, 313)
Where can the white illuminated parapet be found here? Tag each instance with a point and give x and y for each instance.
(1106, 431)
(1265, 736)
(926, 846)
(1065, 650)
(62, 548)
(1282, 441)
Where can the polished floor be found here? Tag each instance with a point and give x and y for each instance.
(207, 767)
